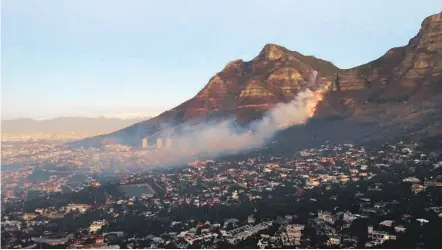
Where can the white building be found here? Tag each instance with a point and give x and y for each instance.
(159, 143)
(400, 228)
(53, 241)
(11, 225)
(97, 225)
(349, 217)
(294, 233)
(334, 241)
(411, 179)
(169, 143)
(379, 237)
(239, 234)
(235, 195)
(387, 223)
(406, 150)
(74, 207)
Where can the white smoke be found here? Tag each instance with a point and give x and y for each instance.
(223, 138)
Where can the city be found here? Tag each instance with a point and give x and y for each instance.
(307, 124)
(331, 196)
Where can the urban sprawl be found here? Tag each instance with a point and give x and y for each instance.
(343, 196)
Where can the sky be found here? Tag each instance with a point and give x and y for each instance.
(142, 57)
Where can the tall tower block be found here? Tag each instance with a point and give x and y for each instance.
(169, 142)
(159, 143)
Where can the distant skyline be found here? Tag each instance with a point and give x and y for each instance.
(117, 58)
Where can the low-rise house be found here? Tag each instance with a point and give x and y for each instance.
(327, 217)
(53, 240)
(77, 207)
(334, 240)
(349, 217)
(400, 229)
(29, 216)
(11, 225)
(411, 179)
(416, 188)
(97, 225)
(294, 233)
(379, 237)
(387, 223)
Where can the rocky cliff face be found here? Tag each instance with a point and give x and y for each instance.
(400, 92)
(276, 75)
(242, 90)
(402, 70)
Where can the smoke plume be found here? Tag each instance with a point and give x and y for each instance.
(224, 137)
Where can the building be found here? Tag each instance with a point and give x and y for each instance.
(169, 142)
(349, 217)
(294, 233)
(53, 214)
(12, 225)
(77, 207)
(205, 236)
(99, 240)
(334, 241)
(144, 143)
(235, 195)
(241, 233)
(29, 216)
(411, 179)
(429, 183)
(97, 225)
(378, 237)
(53, 240)
(251, 219)
(416, 188)
(400, 228)
(159, 143)
(387, 223)
(327, 217)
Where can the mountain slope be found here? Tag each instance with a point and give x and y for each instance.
(402, 90)
(398, 94)
(242, 90)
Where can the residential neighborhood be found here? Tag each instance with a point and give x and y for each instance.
(331, 196)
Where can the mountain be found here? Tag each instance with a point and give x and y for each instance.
(395, 95)
(81, 126)
(242, 90)
(400, 91)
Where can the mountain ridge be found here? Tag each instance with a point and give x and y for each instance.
(403, 75)
(388, 91)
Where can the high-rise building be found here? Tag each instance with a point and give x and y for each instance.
(169, 142)
(144, 143)
(159, 143)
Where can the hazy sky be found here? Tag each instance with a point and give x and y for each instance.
(93, 58)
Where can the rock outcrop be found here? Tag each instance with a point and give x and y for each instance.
(400, 91)
(276, 75)
(402, 70)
